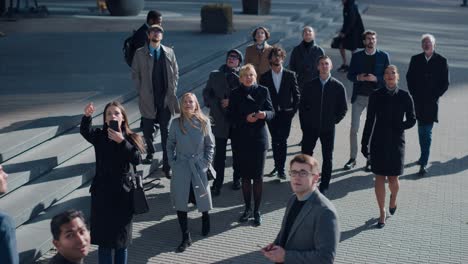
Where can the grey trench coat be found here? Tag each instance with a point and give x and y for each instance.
(190, 155)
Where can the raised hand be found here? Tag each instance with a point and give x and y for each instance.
(89, 109)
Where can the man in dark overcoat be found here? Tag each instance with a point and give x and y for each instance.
(428, 79)
(216, 97)
(284, 93)
(322, 106)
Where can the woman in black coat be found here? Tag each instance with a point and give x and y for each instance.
(351, 31)
(389, 113)
(116, 152)
(249, 107)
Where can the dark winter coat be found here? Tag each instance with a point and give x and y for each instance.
(321, 108)
(244, 101)
(218, 88)
(352, 26)
(304, 62)
(388, 116)
(427, 81)
(111, 211)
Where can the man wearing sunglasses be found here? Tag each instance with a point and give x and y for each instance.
(216, 97)
(309, 232)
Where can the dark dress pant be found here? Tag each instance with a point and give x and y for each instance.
(151, 126)
(327, 139)
(279, 127)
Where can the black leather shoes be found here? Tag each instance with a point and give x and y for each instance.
(368, 167)
(245, 216)
(236, 185)
(282, 175)
(148, 159)
(422, 171)
(186, 242)
(273, 173)
(350, 164)
(168, 174)
(257, 219)
(392, 210)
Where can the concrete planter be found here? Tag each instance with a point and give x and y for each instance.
(125, 7)
(216, 18)
(256, 7)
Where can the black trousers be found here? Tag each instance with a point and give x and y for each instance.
(327, 139)
(220, 162)
(150, 126)
(279, 127)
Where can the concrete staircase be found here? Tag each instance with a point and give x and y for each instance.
(50, 167)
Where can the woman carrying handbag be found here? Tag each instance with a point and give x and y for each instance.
(117, 149)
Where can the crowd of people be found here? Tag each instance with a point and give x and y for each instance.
(245, 102)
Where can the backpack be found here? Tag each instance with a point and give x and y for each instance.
(129, 49)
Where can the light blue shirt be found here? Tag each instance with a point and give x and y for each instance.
(155, 52)
(324, 81)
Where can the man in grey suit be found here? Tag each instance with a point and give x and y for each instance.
(309, 232)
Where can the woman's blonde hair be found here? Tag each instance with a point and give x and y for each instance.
(248, 67)
(198, 114)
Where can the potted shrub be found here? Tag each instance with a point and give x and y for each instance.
(216, 18)
(125, 7)
(256, 7)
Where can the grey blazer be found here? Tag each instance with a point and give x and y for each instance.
(315, 234)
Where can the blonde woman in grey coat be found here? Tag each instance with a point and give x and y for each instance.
(190, 148)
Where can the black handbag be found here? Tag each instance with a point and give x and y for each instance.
(211, 173)
(336, 42)
(133, 184)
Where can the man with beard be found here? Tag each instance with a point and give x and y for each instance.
(304, 57)
(140, 36)
(366, 72)
(156, 75)
(323, 105)
(428, 79)
(216, 97)
(284, 93)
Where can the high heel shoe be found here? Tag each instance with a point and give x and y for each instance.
(245, 216)
(381, 224)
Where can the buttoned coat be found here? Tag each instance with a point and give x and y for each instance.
(388, 116)
(314, 235)
(287, 99)
(258, 59)
(142, 70)
(427, 82)
(243, 101)
(190, 155)
(217, 89)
